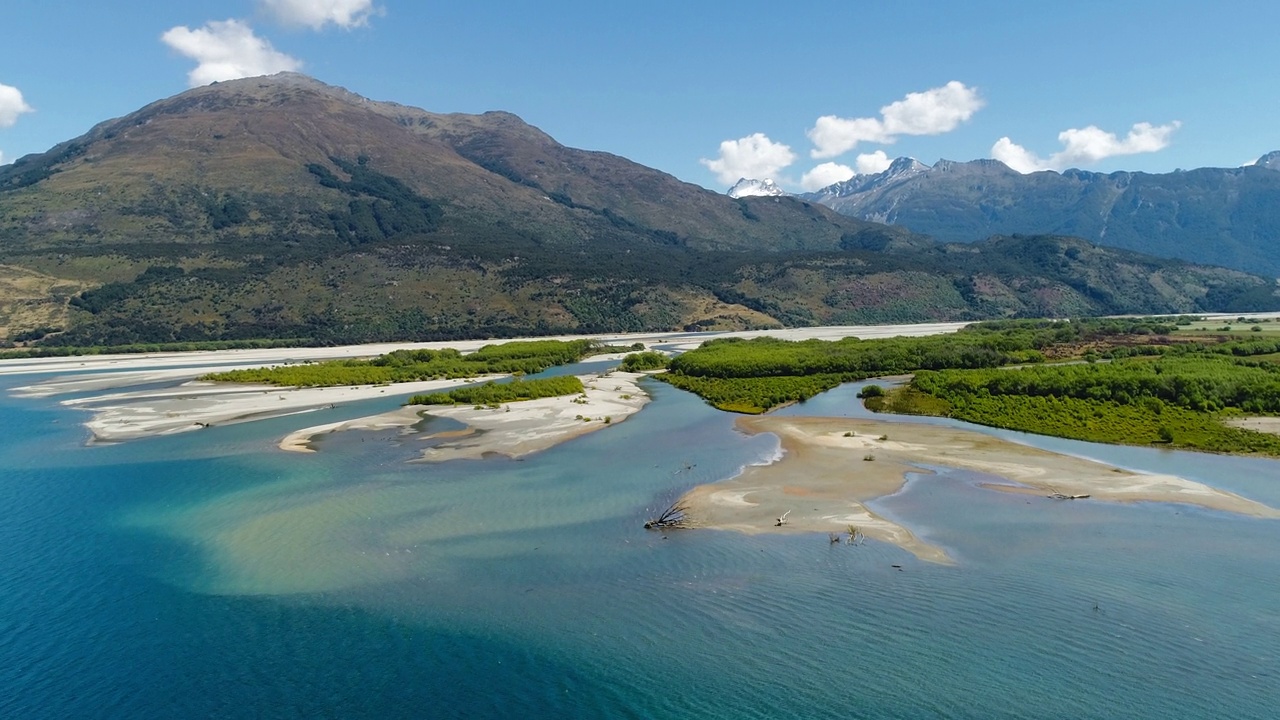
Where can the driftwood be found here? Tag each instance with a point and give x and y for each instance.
(672, 517)
(1055, 495)
(855, 535)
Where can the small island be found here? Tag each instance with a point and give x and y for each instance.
(832, 468)
(511, 420)
(278, 387)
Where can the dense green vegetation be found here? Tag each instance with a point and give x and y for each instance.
(649, 360)
(754, 395)
(382, 207)
(1179, 400)
(1200, 383)
(1111, 422)
(1156, 388)
(417, 365)
(494, 394)
(752, 376)
(99, 299)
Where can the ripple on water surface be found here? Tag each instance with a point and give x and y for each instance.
(529, 587)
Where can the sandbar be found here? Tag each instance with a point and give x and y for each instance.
(195, 405)
(832, 467)
(513, 429)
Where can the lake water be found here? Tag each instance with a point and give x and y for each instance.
(210, 575)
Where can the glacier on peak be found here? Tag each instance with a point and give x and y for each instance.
(750, 187)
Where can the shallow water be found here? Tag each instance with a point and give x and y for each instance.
(208, 574)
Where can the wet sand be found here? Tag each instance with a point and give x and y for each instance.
(827, 475)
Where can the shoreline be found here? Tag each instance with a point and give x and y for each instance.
(511, 430)
(204, 361)
(258, 357)
(185, 404)
(832, 467)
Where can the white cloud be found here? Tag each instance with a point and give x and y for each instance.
(11, 105)
(1082, 146)
(754, 156)
(1091, 144)
(871, 163)
(827, 173)
(315, 14)
(835, 136)
(1017, 157)
(2, 160)
(226, 50)
(931, 112)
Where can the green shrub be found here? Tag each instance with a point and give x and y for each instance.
(649, 360)
(494, 394)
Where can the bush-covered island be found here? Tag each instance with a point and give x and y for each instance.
(1179, 400)
(1130, 381)
(753, 376)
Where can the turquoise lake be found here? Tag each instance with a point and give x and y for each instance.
(211, 575)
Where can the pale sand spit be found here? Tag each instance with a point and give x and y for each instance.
(831, 467)
(194, 405)
(513, 429)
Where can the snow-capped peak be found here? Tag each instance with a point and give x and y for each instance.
(750, 187)
(905, 165)
(1270, 161)
(900, 170)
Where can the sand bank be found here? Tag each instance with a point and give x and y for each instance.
(825, 478)
(196, 405)
(514, 429)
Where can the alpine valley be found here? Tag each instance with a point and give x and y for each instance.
(280, 207)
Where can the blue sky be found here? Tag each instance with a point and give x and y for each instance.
(704, 90)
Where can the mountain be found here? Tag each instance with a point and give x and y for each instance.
(1270, 161)
(898, 172)
(282, 207)
(755, 188)
(1218, 216)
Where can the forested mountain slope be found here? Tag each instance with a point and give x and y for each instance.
(281, 207)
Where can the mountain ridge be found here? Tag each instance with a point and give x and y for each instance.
(1220, 216)
(282, 207)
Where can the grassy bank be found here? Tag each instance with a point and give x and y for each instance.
(526, 357)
